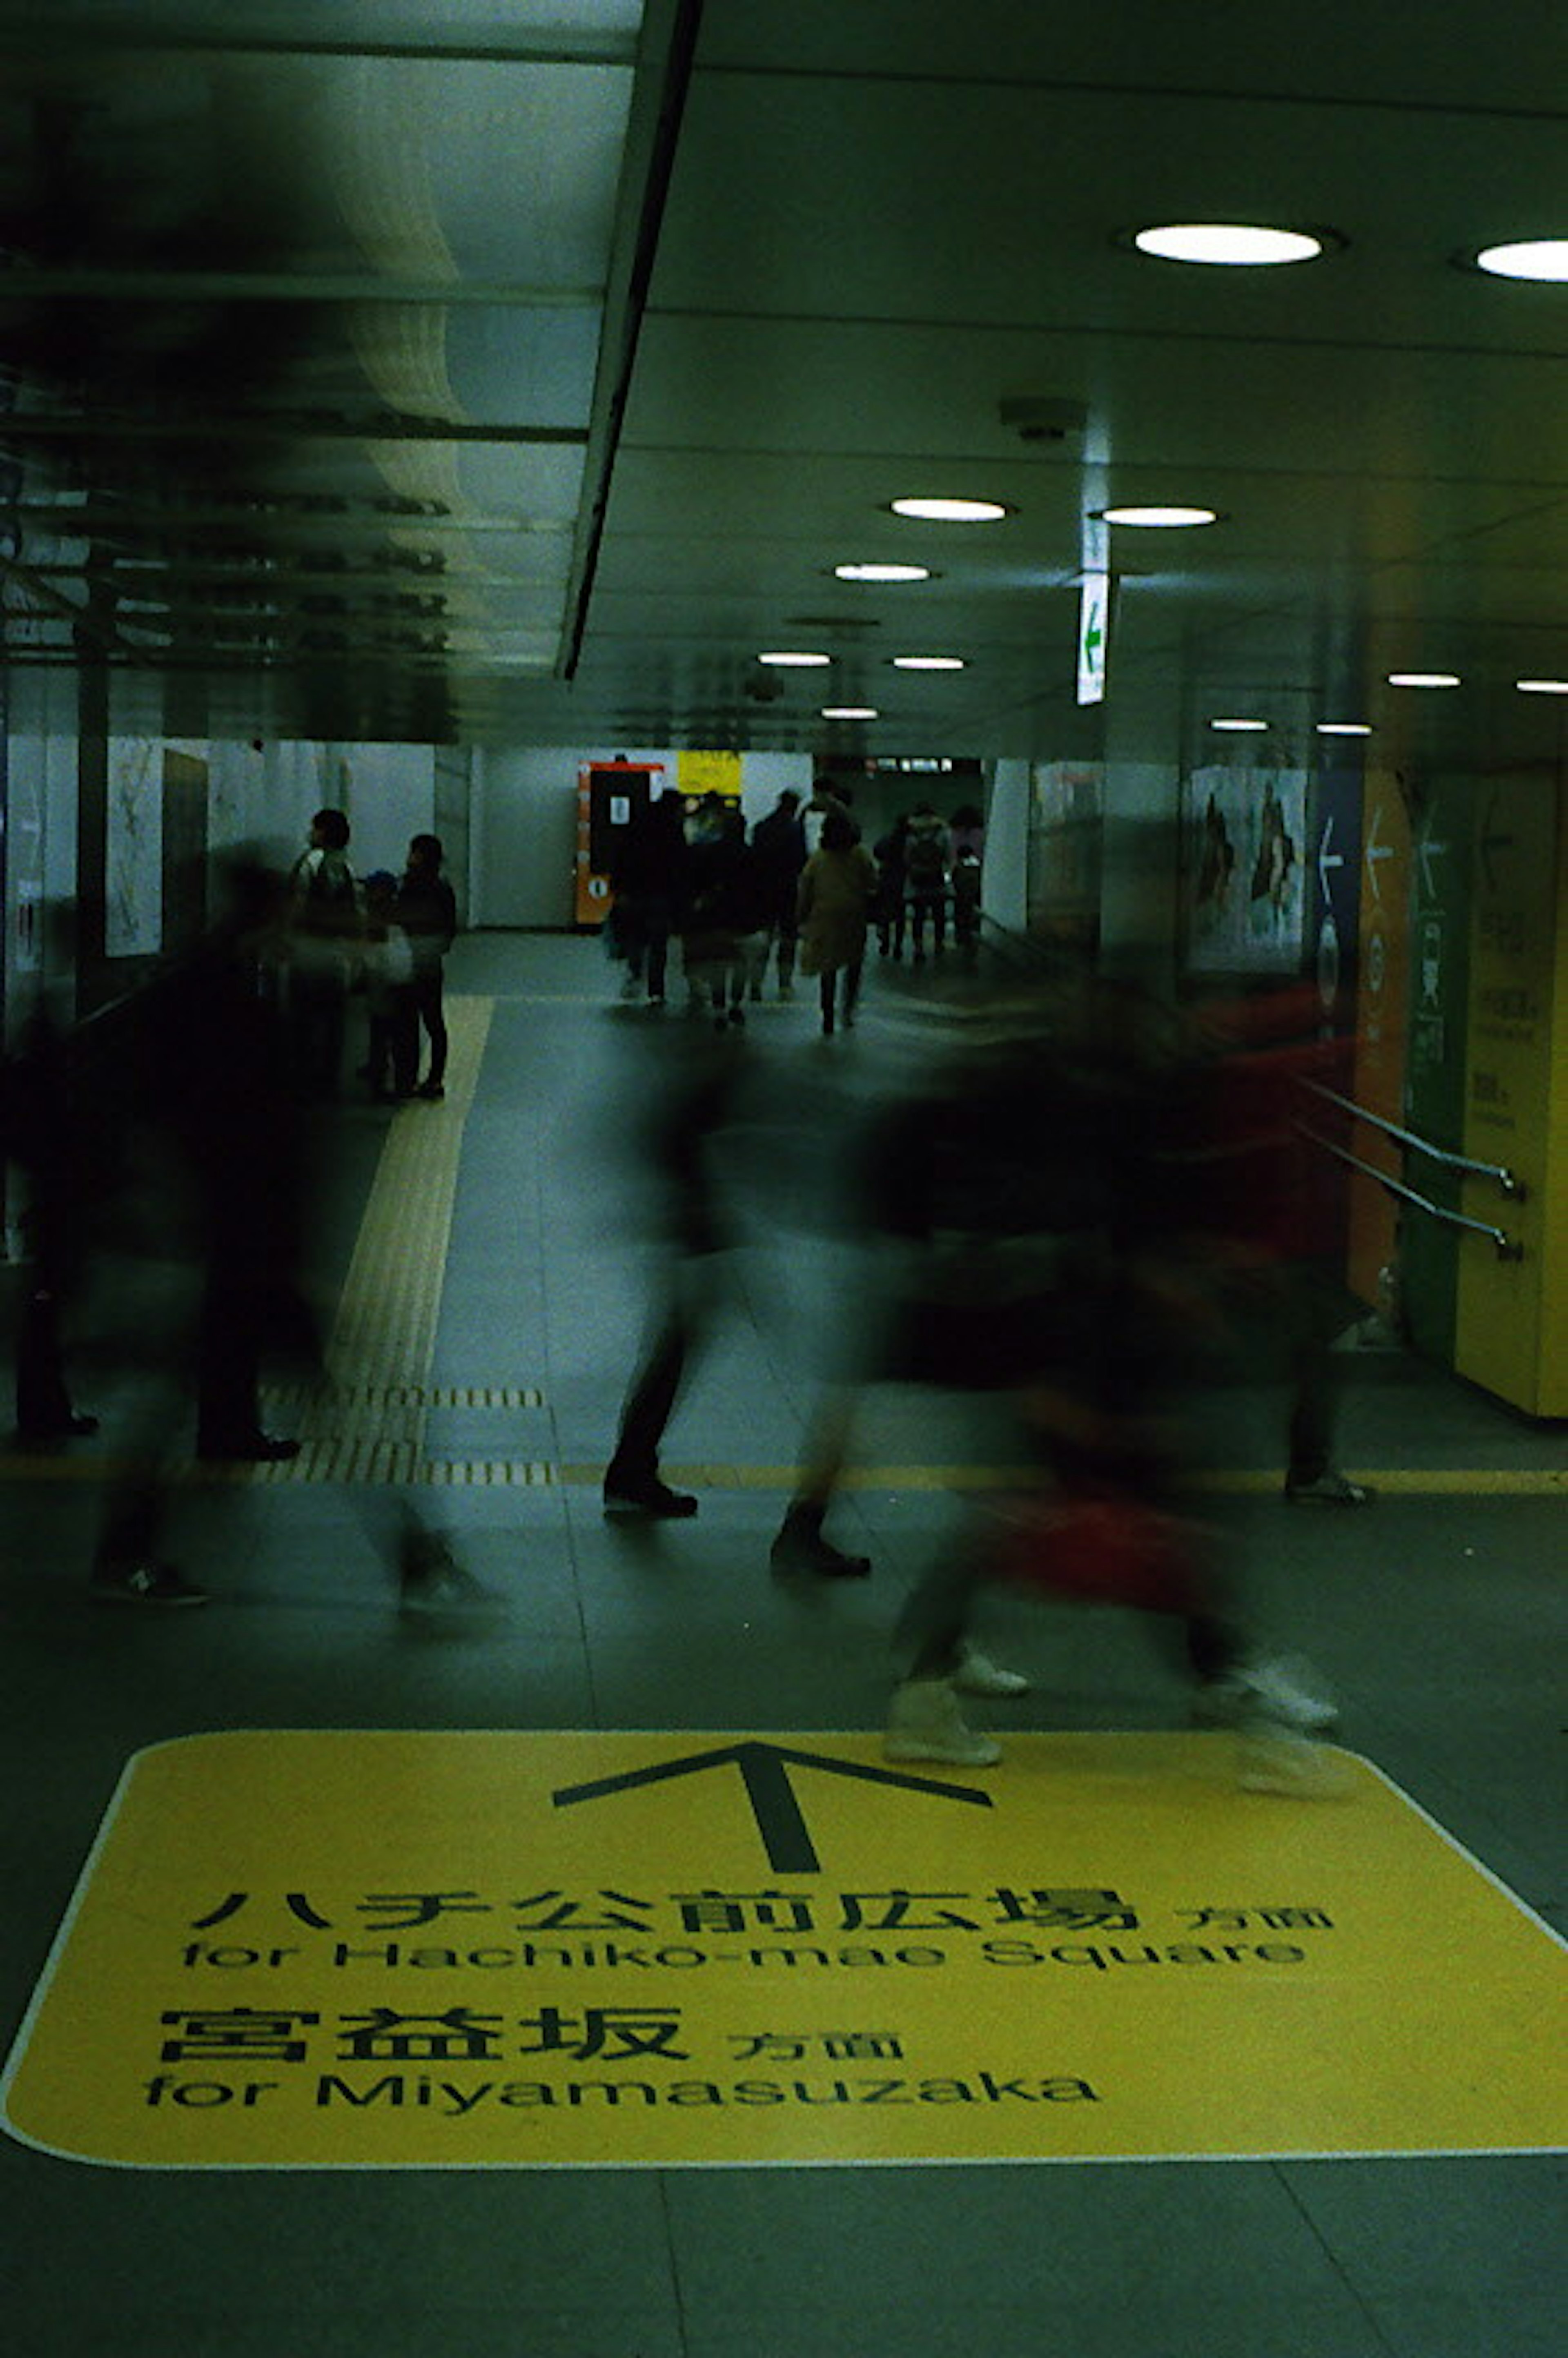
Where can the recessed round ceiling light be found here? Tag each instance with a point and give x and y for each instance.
(928, 663)
(882, 572)
(1343, 728)
(1542, 258)
(788, 661)
(951, 511)
(849, 712)
(1239, 724)
(1424, 679)
(1168, 519)
(1229, 242)
(1543, 686)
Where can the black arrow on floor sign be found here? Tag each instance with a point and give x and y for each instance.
(765, 1768)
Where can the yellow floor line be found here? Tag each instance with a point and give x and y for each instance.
(1395, 1481)
(383, 1455)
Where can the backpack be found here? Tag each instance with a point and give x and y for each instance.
(924, 867)
(328, 901)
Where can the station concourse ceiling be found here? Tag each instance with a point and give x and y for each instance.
(502, 372)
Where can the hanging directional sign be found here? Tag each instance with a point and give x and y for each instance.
(1094, 628)
(309, 1950)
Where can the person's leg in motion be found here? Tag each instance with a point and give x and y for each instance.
(1315, 1315)
(432, 1014)
(633, 1484)
(827, 989)
(925, 1720)
(801, 1545)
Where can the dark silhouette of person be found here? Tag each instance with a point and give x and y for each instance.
(426, 907)
(43, 1138)
(778, 845)
(324, 922)
(216, 1092)
(648, 885)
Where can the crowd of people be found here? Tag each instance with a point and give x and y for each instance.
(1083, 1208)
(383, 934)
(799, 891)
(1091, 1207)
(193, 1137)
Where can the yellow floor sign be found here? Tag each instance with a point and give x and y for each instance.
(380, 1950)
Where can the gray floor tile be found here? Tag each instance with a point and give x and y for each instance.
(1055, 2316)
(1440, 2225)
(1489, 2320)
(1144, 2235)
(1431, 1618)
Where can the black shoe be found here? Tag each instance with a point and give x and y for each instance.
(645, 1494)
(801, 1546)
(145, 1583)
(69, 1427)
(254, 1448)
(431, 1091)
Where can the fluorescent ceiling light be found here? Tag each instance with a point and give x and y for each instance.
(786, 661)
(1159, 518)
(1343, 728)
(1543, 686)
(882, 572)
(1239, 724)
(1542, 258)
(1424, 679)
(951, 511)
(928, 663)
(849, 712)
(1229, 242)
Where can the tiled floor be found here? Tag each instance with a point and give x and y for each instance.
(1434, 1616)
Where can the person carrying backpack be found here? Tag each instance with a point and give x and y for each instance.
(324, 920)
(926, 856)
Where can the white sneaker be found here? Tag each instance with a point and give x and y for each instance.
(1330, 1489)
(925, 1723)
(1278, 1760)
(977, 1674)
(1274, 1693)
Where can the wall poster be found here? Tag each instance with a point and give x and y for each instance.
(1243, 873)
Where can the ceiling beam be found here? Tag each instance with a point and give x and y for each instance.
(285, 427)
(26, 282)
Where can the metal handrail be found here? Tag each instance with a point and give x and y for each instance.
(1508, 1248)
(1510, 1184)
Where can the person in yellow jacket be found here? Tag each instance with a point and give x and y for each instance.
(837, 888)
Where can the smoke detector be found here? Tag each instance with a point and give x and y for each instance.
(1043, 418)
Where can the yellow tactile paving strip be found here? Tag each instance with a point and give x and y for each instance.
(384, 1333)
(368, 1422)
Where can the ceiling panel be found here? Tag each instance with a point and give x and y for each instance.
(969, 203)
(1515, 57)
(357, 352)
